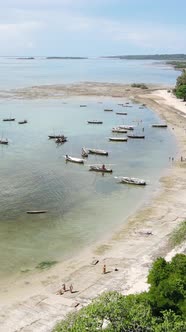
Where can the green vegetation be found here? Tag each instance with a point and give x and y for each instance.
(180, 89)
(179, 235)
(139, 85)
(177, 64)
(162, 309)
(45, 265)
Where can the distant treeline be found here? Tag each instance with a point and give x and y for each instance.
(149, 57)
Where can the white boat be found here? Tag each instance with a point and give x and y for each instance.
(97, 151)
(74, 160)
(84, 153)
(119, 130)
(131, 180)
(94, 122)
(118, 139)
(4, 141)
(159, 125)
(126, 127)
(101, 169)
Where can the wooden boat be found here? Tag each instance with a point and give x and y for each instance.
(136, 136)
(23, 122)
(108, 110)
(130, 180)
(121, 113)
(101, 169)
(84, 153)
(94, 122)
(74, 160)
(97, 151)
(9, 119)
(119, 130)
(126, 127)
(56, 136)
(118, 139)
(36, 211)
(159, 125)
(4, 141)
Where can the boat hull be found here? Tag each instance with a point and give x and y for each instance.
(118, 139)
(98, 152)
(36, 211)
(74, 160)
(100, 169)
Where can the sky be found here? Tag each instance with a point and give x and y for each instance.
(92, 27)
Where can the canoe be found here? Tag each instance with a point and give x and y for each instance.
(118, 139)
(131, 180)
(23, 122)
(9, 119)
(126, 127)
(100, 169)
(161, 125)
(136, 136)
(94, 122)
(36, 211)
(119, 130)
(74, 160)
(121, 113)
(97, 151)
(108, 110)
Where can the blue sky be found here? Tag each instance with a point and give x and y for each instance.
(92, 27)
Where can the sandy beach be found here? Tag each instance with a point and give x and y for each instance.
(31, 303)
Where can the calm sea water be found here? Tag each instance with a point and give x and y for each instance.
(82, 206)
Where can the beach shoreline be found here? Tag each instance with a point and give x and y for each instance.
(129, 253)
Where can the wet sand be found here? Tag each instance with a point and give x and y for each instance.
(31, 304)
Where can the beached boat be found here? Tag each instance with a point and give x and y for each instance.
(159, 125)
(118, 139)
(131, 180)
(9, 119)
(136, 136)
(108, 110)
(4, 141)
(84, 153)
(56, 136)
(74, 160)
(97, 151)
(36, 211)
(119, 130)
(23, 122)
(126, 127)
(121, 113)
(101, 169)
(94, 122)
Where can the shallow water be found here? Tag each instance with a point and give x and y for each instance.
(82, 206)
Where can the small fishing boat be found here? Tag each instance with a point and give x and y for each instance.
(118, 139)
(61, 140)
(120, 104)
(108, 110)
(97, 151)
(159, 125)
(23, 122)
(74, 160)
(9, 119)
(83, 105)
(101, 169)
(36, 211)
(84, 153)
(126, 127)
(4, 141)
(56, 136)
(119, 130)
(136, 136)
(94, 122)
(131, 180)
(121, 113)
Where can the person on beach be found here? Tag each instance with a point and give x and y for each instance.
(71, 288)
(103, 167)
(104, 268)
(64, 287)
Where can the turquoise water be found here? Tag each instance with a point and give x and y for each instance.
(82, 206)
(20, 73)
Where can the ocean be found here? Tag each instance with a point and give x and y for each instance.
(83, 207)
